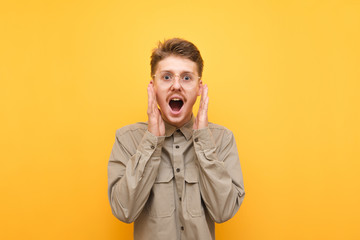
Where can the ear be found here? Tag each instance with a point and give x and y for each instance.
(152, 82)
(200, 87)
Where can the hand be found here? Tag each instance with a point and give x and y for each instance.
(201, 120)
(155, 123)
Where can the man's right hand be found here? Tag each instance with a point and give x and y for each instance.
(155, 123)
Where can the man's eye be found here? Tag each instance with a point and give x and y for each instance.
(187, 78)
(167, 77)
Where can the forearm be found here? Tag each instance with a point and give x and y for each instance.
(131, 180)
(221, 183)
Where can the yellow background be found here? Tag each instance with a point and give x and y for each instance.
(282, 75)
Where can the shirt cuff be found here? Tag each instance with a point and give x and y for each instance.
(203, 139)
(151, 145)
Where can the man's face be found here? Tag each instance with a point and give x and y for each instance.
(176, 97)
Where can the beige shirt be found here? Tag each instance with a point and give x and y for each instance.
(175, 186)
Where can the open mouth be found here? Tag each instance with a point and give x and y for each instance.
(176, 104)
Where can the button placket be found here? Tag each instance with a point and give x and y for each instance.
(178, 163)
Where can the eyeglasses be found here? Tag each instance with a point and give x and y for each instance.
(168, 78)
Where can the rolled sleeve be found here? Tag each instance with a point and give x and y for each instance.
(221, 182)
(203, 139)
(132, 173)
(151, 145)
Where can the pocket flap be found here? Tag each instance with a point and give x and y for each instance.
(164, 175)
(192, 175)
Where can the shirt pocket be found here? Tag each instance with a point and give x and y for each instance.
(192, 193)
(161, 200)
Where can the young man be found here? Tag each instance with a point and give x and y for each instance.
(177, 174)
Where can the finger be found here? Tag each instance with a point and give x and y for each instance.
(203, 98)
(206, 104)
(202, 95)
(159, 116)
(153, 103)
(149, 99)
(154, 96)
(206, 98)
(161, 124)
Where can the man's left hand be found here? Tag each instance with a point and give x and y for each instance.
(201, 120)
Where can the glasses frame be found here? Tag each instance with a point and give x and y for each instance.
(175, 75)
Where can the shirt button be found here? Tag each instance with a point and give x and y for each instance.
(180, 199)
(182, 228)
(177, 146)
(152, 147)
(178, 130)
(196, 139)
(178, 170)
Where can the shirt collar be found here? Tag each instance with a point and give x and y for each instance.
(186, 129)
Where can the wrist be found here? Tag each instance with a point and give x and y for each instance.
(153, 131)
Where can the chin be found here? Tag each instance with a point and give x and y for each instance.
(178, 121)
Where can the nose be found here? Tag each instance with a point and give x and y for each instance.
(176, 82)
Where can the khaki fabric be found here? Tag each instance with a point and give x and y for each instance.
(175, 186)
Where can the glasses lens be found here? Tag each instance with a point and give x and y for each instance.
(185, 79)
(166, 76)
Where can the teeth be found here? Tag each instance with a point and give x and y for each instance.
(176, 99)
